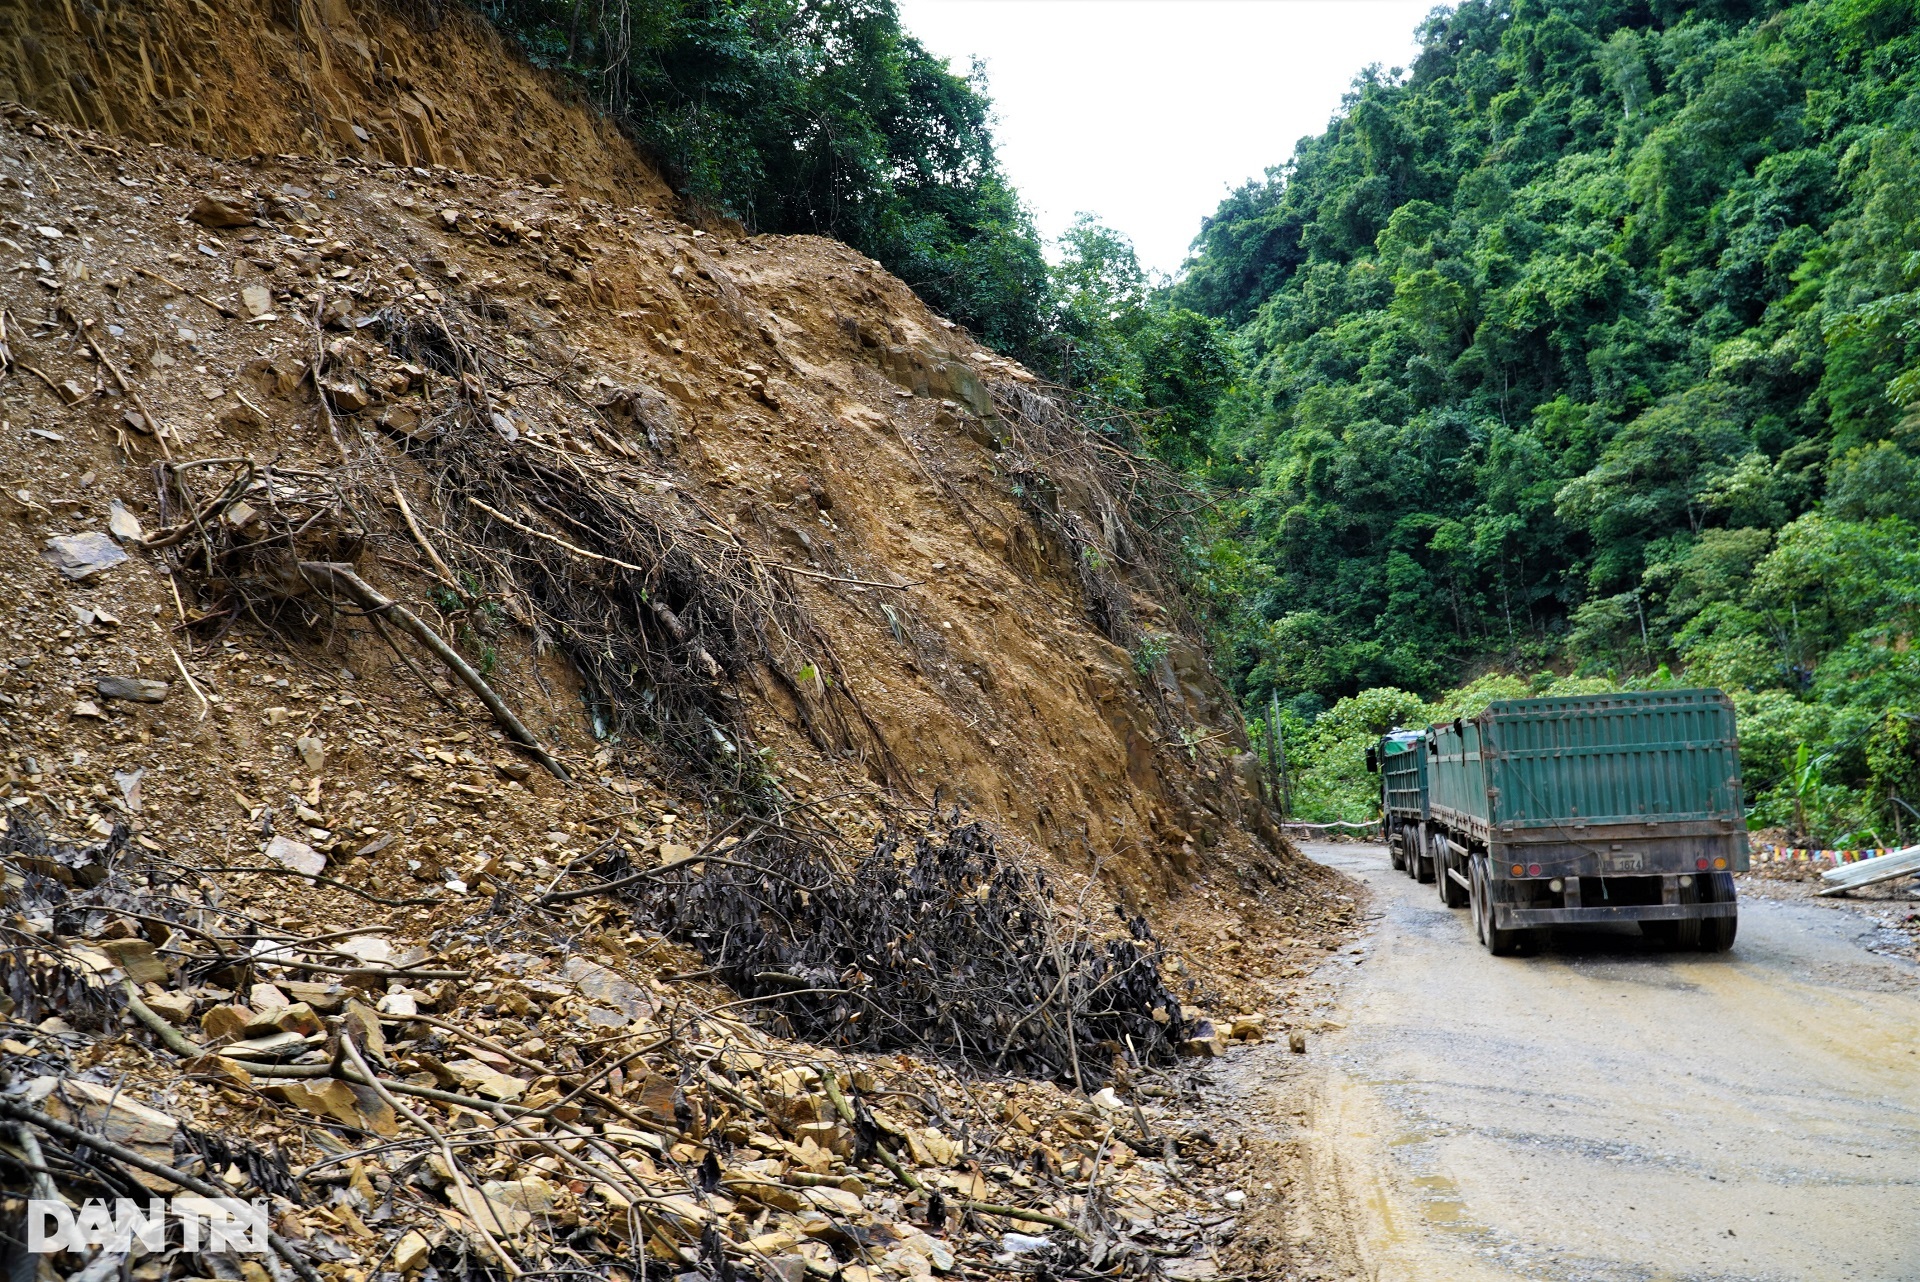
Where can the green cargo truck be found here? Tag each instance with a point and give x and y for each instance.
(1401, 759)
(1590, 808)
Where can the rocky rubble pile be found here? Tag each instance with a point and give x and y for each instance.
(496, 1101)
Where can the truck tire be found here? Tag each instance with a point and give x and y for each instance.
(1716, 933)
(1686, 932)
(1673, 934)
(1501, 943)
(1420, 860)
(1476, 903)
(1452, 893)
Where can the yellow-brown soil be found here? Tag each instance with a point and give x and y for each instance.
(426, 85)
(799, 402)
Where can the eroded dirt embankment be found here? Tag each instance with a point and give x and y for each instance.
(859, 565)
(424, 84)
(770, 386)
(807, 402)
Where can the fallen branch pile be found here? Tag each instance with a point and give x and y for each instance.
(1087, 492)
(929, 941)
(37, 982)
(268, 537)
(341, 579)
(659, 605)
(241, 529)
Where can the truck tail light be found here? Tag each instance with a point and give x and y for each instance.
(1518, 870)
(1533, 870)
(1720, 863)
(1701, 864)
(1556, 885)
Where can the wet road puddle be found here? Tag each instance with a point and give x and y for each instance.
(1443, 1206)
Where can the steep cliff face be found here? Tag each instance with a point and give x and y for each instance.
(420, 84)
(365, 408)
(962, 610)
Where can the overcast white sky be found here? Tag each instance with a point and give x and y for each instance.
(1147, 112)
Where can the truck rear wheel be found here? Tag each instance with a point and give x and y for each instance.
(1476, 903)
(1501, 943)
(1716, 933)
(1684, 933)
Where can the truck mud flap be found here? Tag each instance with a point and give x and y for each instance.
(1509, 917)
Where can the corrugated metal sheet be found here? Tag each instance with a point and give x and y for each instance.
(1641, 757)
(1455, 778)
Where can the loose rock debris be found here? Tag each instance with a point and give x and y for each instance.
(494, 1102)
(366, 957)
(82, 556)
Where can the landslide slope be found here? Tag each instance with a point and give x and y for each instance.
(425, 84)
(769, 558)
(786, 391)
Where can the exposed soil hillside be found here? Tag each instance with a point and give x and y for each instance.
(768, 559)
(420, 84)
(782, 377)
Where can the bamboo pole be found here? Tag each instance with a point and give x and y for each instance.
(342, 576)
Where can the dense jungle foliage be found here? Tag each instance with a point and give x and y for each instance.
(1590, 343)
(811, 116)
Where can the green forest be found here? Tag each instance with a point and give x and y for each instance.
(1584, 352)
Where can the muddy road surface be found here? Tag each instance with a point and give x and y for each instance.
(1606, 1111)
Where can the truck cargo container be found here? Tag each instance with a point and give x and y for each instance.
(1401, 759)
(1580, 809)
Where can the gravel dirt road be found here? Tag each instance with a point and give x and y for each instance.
(1607, 1111)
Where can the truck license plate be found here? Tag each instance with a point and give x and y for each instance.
(1626, 861)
